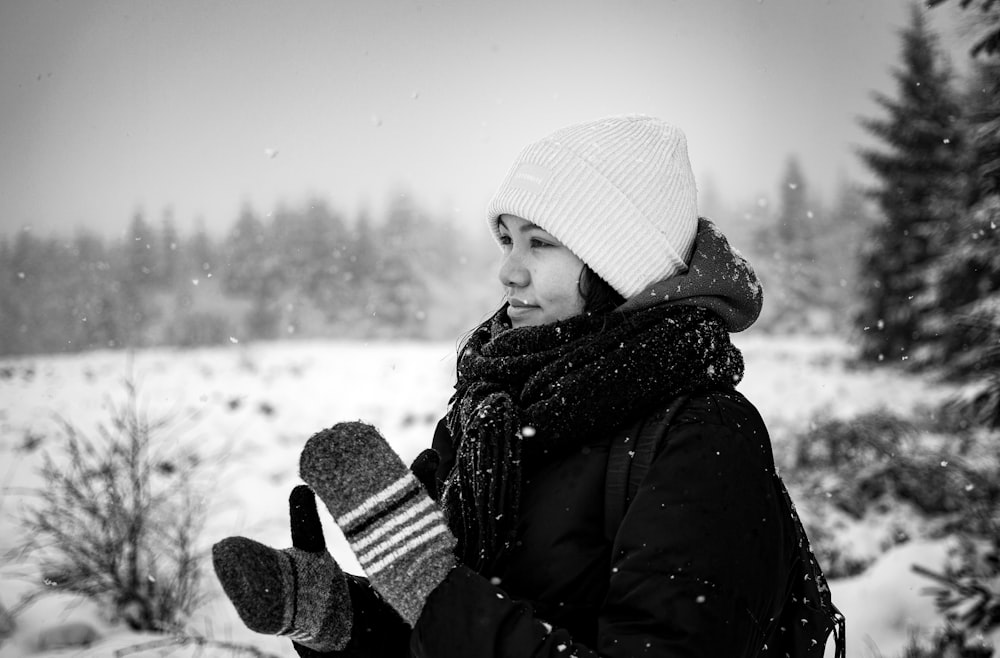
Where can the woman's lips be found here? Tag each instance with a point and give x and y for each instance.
(517, 309)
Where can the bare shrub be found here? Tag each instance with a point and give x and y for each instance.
(118, 518)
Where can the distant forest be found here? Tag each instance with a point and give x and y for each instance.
(295, 273)
(309, 272)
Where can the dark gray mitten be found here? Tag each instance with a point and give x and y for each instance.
(397, 532)
(298, 592)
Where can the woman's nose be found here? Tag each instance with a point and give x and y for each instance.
(513, 273)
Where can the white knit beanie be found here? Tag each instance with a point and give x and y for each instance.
(618, 192)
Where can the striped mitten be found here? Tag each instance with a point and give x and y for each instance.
(397, 532)
(299, 592)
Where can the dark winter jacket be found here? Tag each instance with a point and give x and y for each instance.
(698, 566)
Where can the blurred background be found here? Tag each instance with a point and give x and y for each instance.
(200, 171)
(268, 215)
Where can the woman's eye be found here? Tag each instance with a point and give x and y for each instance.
(505, 241)
(536, 242)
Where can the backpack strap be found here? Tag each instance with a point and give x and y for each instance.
(629, 458)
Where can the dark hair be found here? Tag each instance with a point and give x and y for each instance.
(598, 295)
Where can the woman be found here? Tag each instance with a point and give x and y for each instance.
(615, 332)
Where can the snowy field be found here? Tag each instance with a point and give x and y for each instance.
(248, 409)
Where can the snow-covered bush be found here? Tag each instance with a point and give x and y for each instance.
(967, 590)
(117, 518)
(925, 461)
(928, 474)
(947, 643)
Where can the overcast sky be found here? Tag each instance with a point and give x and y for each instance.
(109, 107)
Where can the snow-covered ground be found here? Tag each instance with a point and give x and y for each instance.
(249, 408)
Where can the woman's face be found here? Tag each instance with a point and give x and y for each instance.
(540, 275)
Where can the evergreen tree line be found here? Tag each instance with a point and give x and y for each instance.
(295, 272)
(310, 272)
(929, 268)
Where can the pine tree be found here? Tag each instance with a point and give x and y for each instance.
(796, 233)
(400, 297)
(919, 197)
(839, 231)
(253, 269)
(790, 268)
(141, 251)
(244, 249)
(968, 275)
(135, 277)
(14, 307)
(199, 252)
(324, 267)
(100, 322)
(169, 246)
(362, 261)
(986, 38)
(794, 215)
(983, 120)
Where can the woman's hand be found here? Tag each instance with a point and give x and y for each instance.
(299, 592)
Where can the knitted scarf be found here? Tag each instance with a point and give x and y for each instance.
(527, 395)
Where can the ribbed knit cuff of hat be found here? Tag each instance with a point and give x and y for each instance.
(291, 592)
(397, 532)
